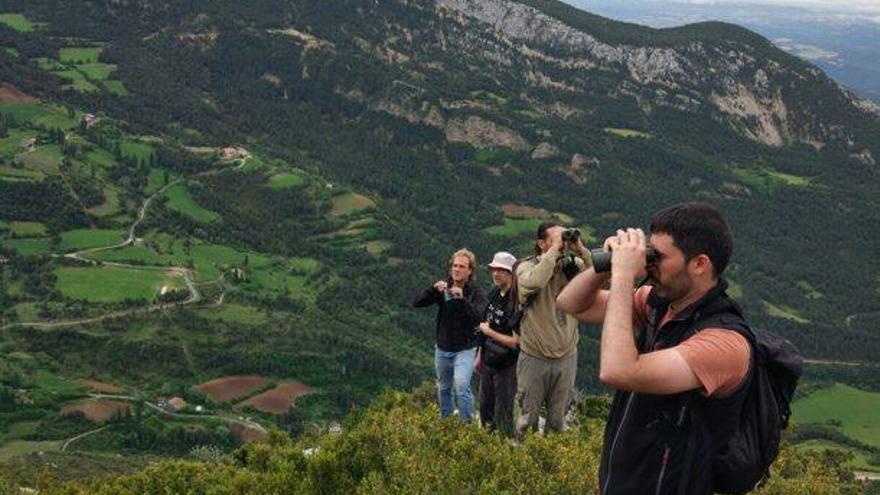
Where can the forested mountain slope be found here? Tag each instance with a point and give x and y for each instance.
(301, 168)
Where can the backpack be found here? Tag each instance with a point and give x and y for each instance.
(743, 463)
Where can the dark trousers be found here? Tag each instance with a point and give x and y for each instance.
(497, 390)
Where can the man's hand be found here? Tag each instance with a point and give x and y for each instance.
(456, 292)
(627, 252)
(578, 246)
(440, 286)
(556, 243)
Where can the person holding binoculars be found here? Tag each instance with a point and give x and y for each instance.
(460, 304)
(676, 351)
(548, 337)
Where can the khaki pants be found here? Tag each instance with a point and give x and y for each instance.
(544, 382)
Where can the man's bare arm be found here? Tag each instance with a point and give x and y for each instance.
(584, 298)
(620, 365)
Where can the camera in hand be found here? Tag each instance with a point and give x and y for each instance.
(602, 259)
(571, 235)
(448, 295)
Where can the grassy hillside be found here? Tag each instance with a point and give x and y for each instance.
(848, 409)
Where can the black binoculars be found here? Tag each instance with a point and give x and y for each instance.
(571, 235)
(602, 259)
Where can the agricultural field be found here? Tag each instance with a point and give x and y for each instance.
(113, 284)
(156, 180)
(275, 282)
(179, 199)
(50, 386)
(766, 179)
(279, 399)
(20, 430)
(10, 144)
(18, 174)
(136, 149)
(44, 159)
(97, 410)
(17, 22)
(855, 409)
(18, 448)
(96, 71)
(44, 114)
(29, 247)
(78, 81)
(130, 254)
(286, 181)
(228, 388)
(27, 229)
(513, 227)
(110, 206)
(80, 55)
(103, 387)
(115, 87)
(626, 133)
(348, 203)
(49, 64)
(784, 312)
(235, 313)
(208, 259)
(89, 238)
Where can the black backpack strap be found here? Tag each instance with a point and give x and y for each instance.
(691, 450)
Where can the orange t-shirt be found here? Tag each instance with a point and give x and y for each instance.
(718, 357)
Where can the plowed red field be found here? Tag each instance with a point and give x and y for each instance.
(97, 410)
(231, 387)
(279, 399)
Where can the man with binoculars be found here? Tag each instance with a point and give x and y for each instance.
(547, 363)
(675, 350)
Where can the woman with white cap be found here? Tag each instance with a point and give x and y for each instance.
(496, 360)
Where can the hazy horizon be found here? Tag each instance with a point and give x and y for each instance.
(842, 6)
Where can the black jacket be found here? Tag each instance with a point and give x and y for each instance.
(664, 444)
(456, 318)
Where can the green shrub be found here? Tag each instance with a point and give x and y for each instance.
(399, 445)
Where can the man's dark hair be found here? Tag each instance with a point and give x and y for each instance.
(697, 228)
(542, 234)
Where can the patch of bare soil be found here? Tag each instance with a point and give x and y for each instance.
(11, 94)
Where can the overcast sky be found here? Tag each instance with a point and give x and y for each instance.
(842, 6)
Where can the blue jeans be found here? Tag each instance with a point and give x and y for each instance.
(455, 369)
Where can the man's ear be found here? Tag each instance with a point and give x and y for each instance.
(701, 264)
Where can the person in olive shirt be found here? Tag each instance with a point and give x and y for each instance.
(548, 337)
(461, 302)
(497, 354)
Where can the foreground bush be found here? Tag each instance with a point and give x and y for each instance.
(399, 446)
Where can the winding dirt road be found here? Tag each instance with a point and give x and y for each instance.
(187, 274)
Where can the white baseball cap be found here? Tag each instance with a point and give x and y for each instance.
(504, 261)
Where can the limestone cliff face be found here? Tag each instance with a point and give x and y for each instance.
(742, 87)
(482, 133)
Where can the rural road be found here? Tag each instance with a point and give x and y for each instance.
(227, 419)
(186, 273)
(82, 435)
(831, 362)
